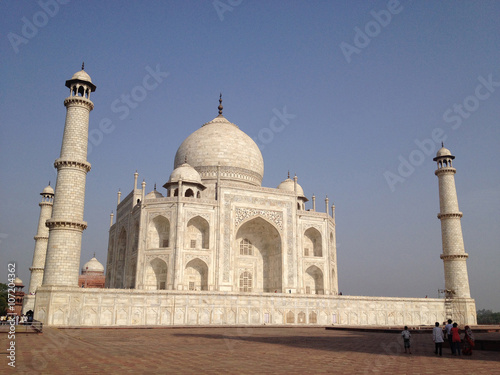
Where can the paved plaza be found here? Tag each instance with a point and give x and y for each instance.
(249, 350)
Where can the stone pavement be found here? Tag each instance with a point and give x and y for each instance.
(249, 350)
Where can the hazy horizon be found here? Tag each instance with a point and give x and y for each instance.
(353, 97)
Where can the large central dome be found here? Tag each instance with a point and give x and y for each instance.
(220, 142)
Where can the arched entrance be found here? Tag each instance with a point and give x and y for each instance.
(312, 243)
(196, 275)
(313, 281)
(156, 274)
(197, 234)
(258, 252)
(158, 232)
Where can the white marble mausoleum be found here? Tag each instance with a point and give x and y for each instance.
(215, 247)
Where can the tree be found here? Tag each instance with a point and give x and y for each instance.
(3, 299)
(487, 317)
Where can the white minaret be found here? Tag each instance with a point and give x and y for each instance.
(454, 255)
(41, 238)
(66, 225)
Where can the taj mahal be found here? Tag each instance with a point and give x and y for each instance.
(216, 248)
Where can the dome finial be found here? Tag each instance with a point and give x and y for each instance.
(185, 159)
(220, 105)
(442, 144)
(83, 65)
(288, 174)
(94, 254)
(155, 186)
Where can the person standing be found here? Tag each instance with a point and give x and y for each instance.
(448, 328)
(455, 337)
(406, 339)
(468, 341)
(437, 337)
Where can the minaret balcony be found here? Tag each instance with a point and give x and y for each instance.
(79, 100)
(445, 170)
(450, 215)
(454, 256)
(78, 225)
(71, 163)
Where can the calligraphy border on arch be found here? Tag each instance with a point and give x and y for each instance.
(205, 215)
(241, 214)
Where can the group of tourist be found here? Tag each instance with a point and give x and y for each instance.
(450, 332)
(453, 333)
(18, 319)
(15, 318)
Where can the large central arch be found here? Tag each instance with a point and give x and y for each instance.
(258, 251)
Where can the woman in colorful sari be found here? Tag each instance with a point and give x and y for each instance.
(468, 341)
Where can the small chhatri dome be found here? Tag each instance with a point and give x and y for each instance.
(48, 190)
(289, 185)
(81, 76)
(186, 173)
(93, 265)
(18, 281)
(443, 151)
(154, 194)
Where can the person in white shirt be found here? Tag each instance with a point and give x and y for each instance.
(438, 338)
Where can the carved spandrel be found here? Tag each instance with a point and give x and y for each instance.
(241, 214)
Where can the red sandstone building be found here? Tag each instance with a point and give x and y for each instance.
(19, 296)
(92, 274)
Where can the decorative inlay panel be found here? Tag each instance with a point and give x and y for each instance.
(166, 214)
(149, 258)
(190, 215)
(189, 257)
(241, 214)
(317, 264)
(306, 226)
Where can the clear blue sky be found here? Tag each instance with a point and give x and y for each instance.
(361, 105)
